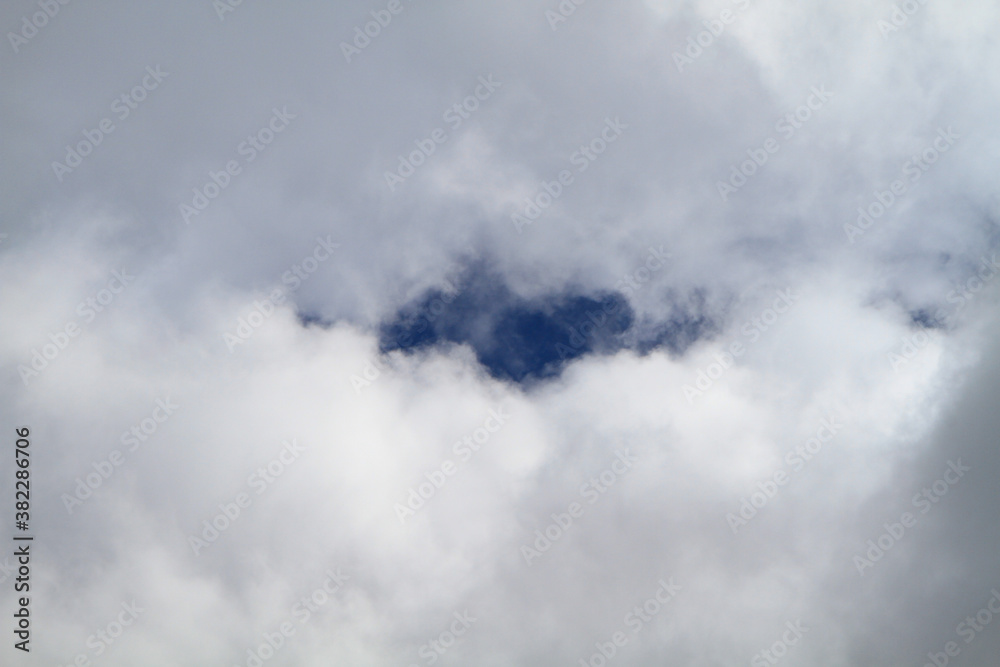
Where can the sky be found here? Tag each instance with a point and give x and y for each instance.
(501, 333)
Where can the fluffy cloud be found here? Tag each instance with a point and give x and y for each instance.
(234, 463)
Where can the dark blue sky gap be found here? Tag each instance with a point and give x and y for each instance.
(523, 340)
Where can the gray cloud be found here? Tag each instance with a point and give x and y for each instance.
(889, 333)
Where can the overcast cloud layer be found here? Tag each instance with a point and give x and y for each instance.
(509, 333)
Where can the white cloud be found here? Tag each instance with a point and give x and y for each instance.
(365, 446)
